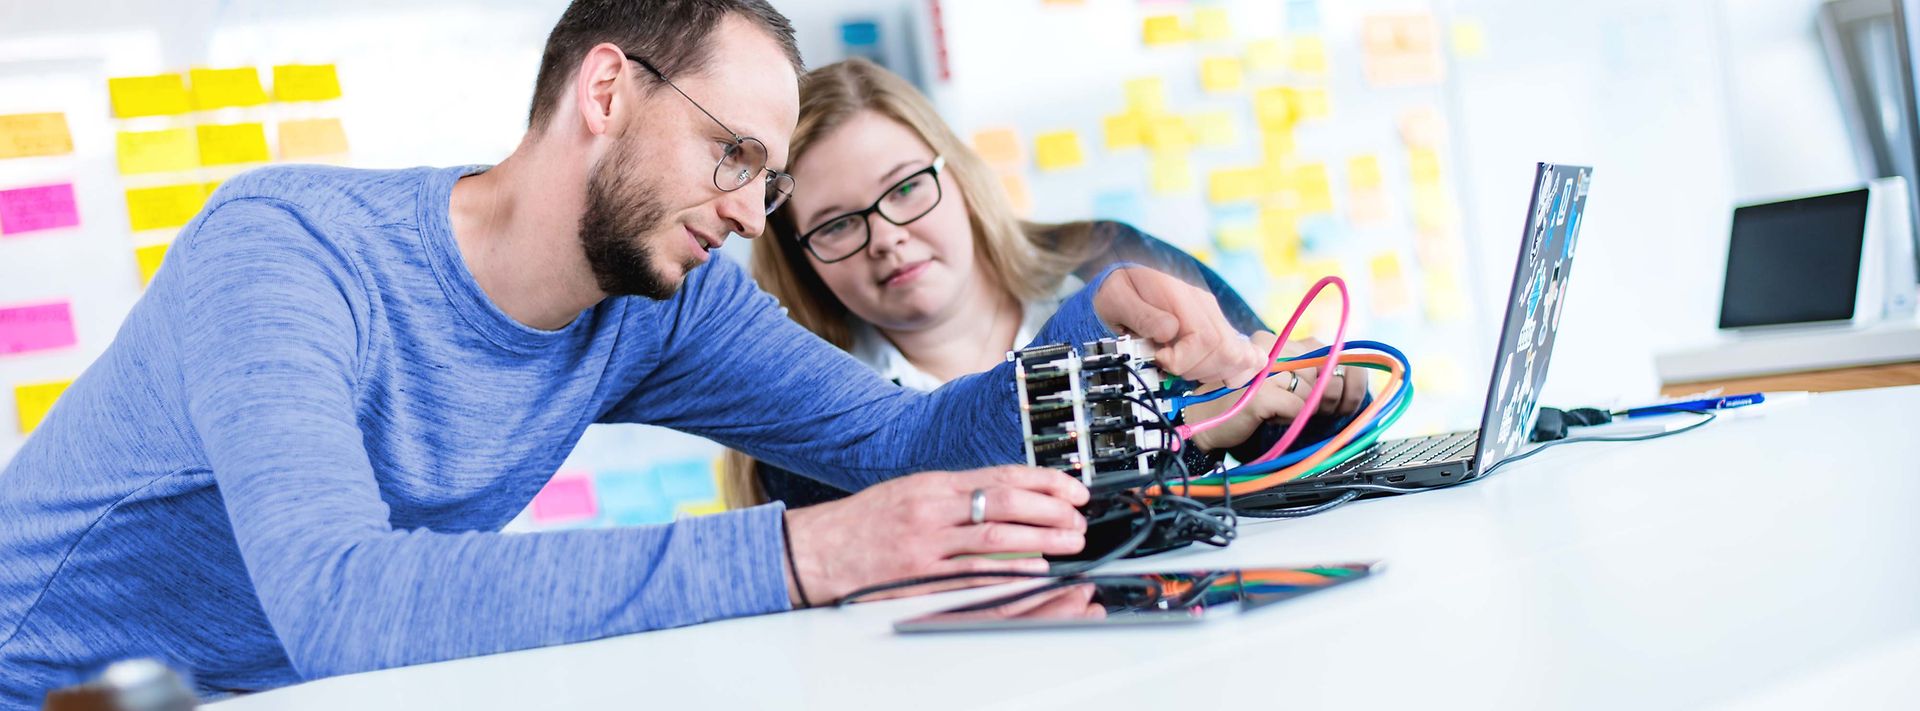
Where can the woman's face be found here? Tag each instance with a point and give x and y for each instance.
(908, 277)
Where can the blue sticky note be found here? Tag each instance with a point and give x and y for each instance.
(1119, 206)
(689, 480)
(633, 497)
(1303, 14)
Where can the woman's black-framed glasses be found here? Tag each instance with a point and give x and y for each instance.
(744, 158)
(844, 235)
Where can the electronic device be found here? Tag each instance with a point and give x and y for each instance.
(1138, 599)
(1823, 260)
(1535, 302)
(1088, 411)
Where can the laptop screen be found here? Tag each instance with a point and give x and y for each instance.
(1533, 310)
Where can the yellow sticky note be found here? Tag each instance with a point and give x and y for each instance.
(1443, 298)
(1273, 106)
(1307, 55)
(1233, 185)
(1363, 172)
(1279, 241)
(1017, 193)
(999, 147)
(312, 138)
(34, 400)
(1432, 211)
(1266, 55)
(1171, 173)
(1204, 256)
(1469, 39)
(305, 82)
(1162, 30)
(164, 207)
(162, 151)
(1125, 130)
(1312, 102)
(1057, 150)
(1316, 192)
(1237, 237)
(1216, 129)
(149, 258)
(227, 144)
(1146, 96)
(29, 135)
(1277, 144)
(1424, 164)
(1220, 74)
(157, 95)
(1389, 294)
(222, 88)
(1212, 24)
(1169, 134)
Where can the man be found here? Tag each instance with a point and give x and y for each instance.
(294, 460)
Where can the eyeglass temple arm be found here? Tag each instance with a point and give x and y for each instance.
(662, 76)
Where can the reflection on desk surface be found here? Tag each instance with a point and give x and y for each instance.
(1138, 599)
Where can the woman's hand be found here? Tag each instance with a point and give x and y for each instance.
(922, 525)
(1281, 399)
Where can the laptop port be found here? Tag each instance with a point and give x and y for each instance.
(1396, 479)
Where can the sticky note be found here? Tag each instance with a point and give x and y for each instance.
(223, 88)
(1237, 237)
(1266, 56)
(1279, 241)
(1273, 107)
(1162, 30)
(1367, 207)
(1057, 150)
(1171, 173)
(1424, 165)
(1277, 144)
(1018, 195)
(1421, 127)
(568, 496)
(1312, 102)
(163, 151)
(1212, 24)
(1307, 55)
(999, 147)
(1363, 172)
(305, 82)
(1303, 14)
(32, 401)
(31, 135)
(156, 95)
(1169, 134)
(149, 258)
(1118, 206)
(1316, 192)
(41, 207)
(164, 207)
(1146, 95)
(1220, 74)
(709, 508)
(1233, 185)
(1389, 294)
(1125, 130)
(1469, 39)
(1432, 212)
(1216, 129)
(36, 327)
(311, 138)
(1442, 298)
(227, 144)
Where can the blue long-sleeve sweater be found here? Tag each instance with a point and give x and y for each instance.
(295, 458)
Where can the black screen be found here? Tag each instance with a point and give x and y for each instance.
(1796, 261)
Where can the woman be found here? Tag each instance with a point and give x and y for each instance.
(903, 249)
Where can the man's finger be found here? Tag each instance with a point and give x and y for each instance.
(1019, 476)
(992, 537)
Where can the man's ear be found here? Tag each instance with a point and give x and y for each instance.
(599, 89)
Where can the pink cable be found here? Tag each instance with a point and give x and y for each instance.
(1319, 386)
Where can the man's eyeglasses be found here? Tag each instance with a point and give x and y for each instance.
(745, 156)
(845, 235)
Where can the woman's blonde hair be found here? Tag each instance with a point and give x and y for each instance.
(1026, 259)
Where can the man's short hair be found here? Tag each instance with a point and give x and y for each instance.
(671, 34)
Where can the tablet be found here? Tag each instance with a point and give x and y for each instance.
(1137, 599)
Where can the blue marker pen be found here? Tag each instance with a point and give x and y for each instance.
(1714, 403)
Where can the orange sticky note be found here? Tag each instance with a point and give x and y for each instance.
(149, 258)
(305, 82)
(223, 88)
(1220, 74)
(312, 138)
(1057, 150)
(157, 95)
(162, 151)
(30, 135)
(164, 207)
(999, 147)
(228, 144)
(32, 401)
(1017, 193)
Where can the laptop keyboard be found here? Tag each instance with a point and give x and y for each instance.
(1416, 451)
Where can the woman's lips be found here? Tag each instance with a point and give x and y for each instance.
(906, 273)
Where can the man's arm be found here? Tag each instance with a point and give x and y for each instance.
(269, 347)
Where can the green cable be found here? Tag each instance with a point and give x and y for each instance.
(1338, 458)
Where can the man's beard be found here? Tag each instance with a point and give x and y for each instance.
(621, 211)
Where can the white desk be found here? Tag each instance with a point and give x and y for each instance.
(1760, 562)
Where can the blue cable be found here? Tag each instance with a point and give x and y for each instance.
(1180, 403)
(1300, 453)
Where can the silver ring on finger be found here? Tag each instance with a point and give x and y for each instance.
(978, 512)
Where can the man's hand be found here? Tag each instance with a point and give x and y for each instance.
(921, 525)
(1342, 396)
(1274, 401)
(1181, 321)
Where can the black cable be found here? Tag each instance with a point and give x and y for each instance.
(1301, 511)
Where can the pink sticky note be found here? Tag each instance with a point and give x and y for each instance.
(42, 207)
(568, 497)
(36, 327)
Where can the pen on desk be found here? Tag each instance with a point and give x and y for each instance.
(1713, 403)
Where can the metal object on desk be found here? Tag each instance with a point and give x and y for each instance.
(132, 685)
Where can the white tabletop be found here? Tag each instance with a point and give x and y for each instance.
(1760, 560)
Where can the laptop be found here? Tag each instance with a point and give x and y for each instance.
(1534, 304)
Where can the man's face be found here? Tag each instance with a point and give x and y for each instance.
(653, 212)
